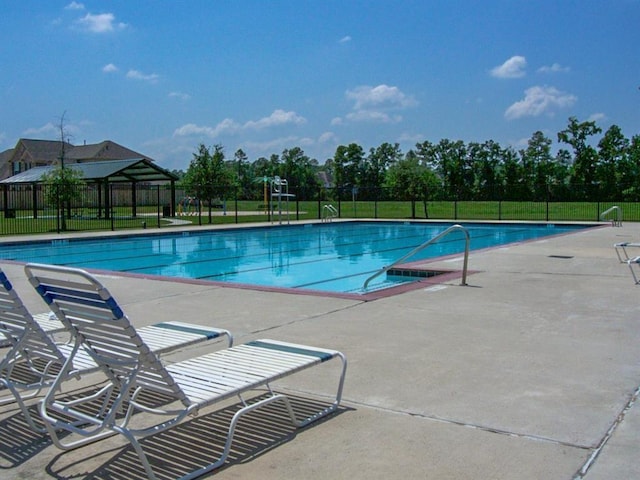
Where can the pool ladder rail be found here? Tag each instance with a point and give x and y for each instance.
(421, 247)
(329, 212)
(616, 221)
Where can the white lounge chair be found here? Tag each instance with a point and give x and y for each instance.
(47, 320)
(631, 262)
(33, 359)
(621, 250)
(131, 369)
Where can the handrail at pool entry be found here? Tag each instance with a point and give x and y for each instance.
(617, 220)
(425, 245)
(329, 212)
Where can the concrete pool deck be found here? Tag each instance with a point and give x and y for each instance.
(529, 372)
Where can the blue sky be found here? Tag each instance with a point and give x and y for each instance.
(162, 77)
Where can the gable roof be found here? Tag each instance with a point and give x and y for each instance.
(48, 150)
(113, 171)
(106, 150)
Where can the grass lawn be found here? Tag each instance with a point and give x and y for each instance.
(23, 221)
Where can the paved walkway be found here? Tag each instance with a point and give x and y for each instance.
(529, 372)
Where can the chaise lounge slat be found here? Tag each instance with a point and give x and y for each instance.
(621, 250)
(631, 262)
(131, 369)
(32, 347)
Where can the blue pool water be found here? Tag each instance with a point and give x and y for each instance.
(330, 257)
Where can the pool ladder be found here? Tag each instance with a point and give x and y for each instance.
(616, 221)
(418, 249)
(329, 212)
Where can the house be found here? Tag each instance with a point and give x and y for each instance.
(102, 165)
(29, 153)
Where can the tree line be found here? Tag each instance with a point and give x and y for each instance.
(584, 168)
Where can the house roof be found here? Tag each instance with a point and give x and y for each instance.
(113, 171)
(49, 151)
(44, 149)
(106, 150)
(6, 155)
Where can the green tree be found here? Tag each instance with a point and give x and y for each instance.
(612, 154)
(486, 160)
(409, 179)
(375, 166)
(298, 170)
(208, 176)
(243, 172)
(514, 187)
(452, 165)
(65, 185)
(537, 164)
(347, 164)
(583, 175)
(629, 176)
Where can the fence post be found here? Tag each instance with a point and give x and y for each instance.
(159, 209)
(34, 200)
(375, 203)
(236, 203)
(58, 208)
(111, 208)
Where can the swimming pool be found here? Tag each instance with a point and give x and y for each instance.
(328, 257)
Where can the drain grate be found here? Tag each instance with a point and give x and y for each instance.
(565, 257)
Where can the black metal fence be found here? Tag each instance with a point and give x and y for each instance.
(29, 209)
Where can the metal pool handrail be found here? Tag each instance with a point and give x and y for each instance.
(329, 212)
(425, 245)
(617, 220)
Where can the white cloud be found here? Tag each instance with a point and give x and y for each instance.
(411, 137)
(46, 129)
(229, 126)
(597, 117)
(539, 100)
(109, 68)
(191, 129)
(306, 141)
(75, 6)
(373, 116)
(374, 104)
(278, 117)
(512, 68)
(345, 39)
(554, 68)
(382, 95)
(138, 75)
(100, 23)
(276, 144)
(180, 95)
(53, 131)
(327, 137)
